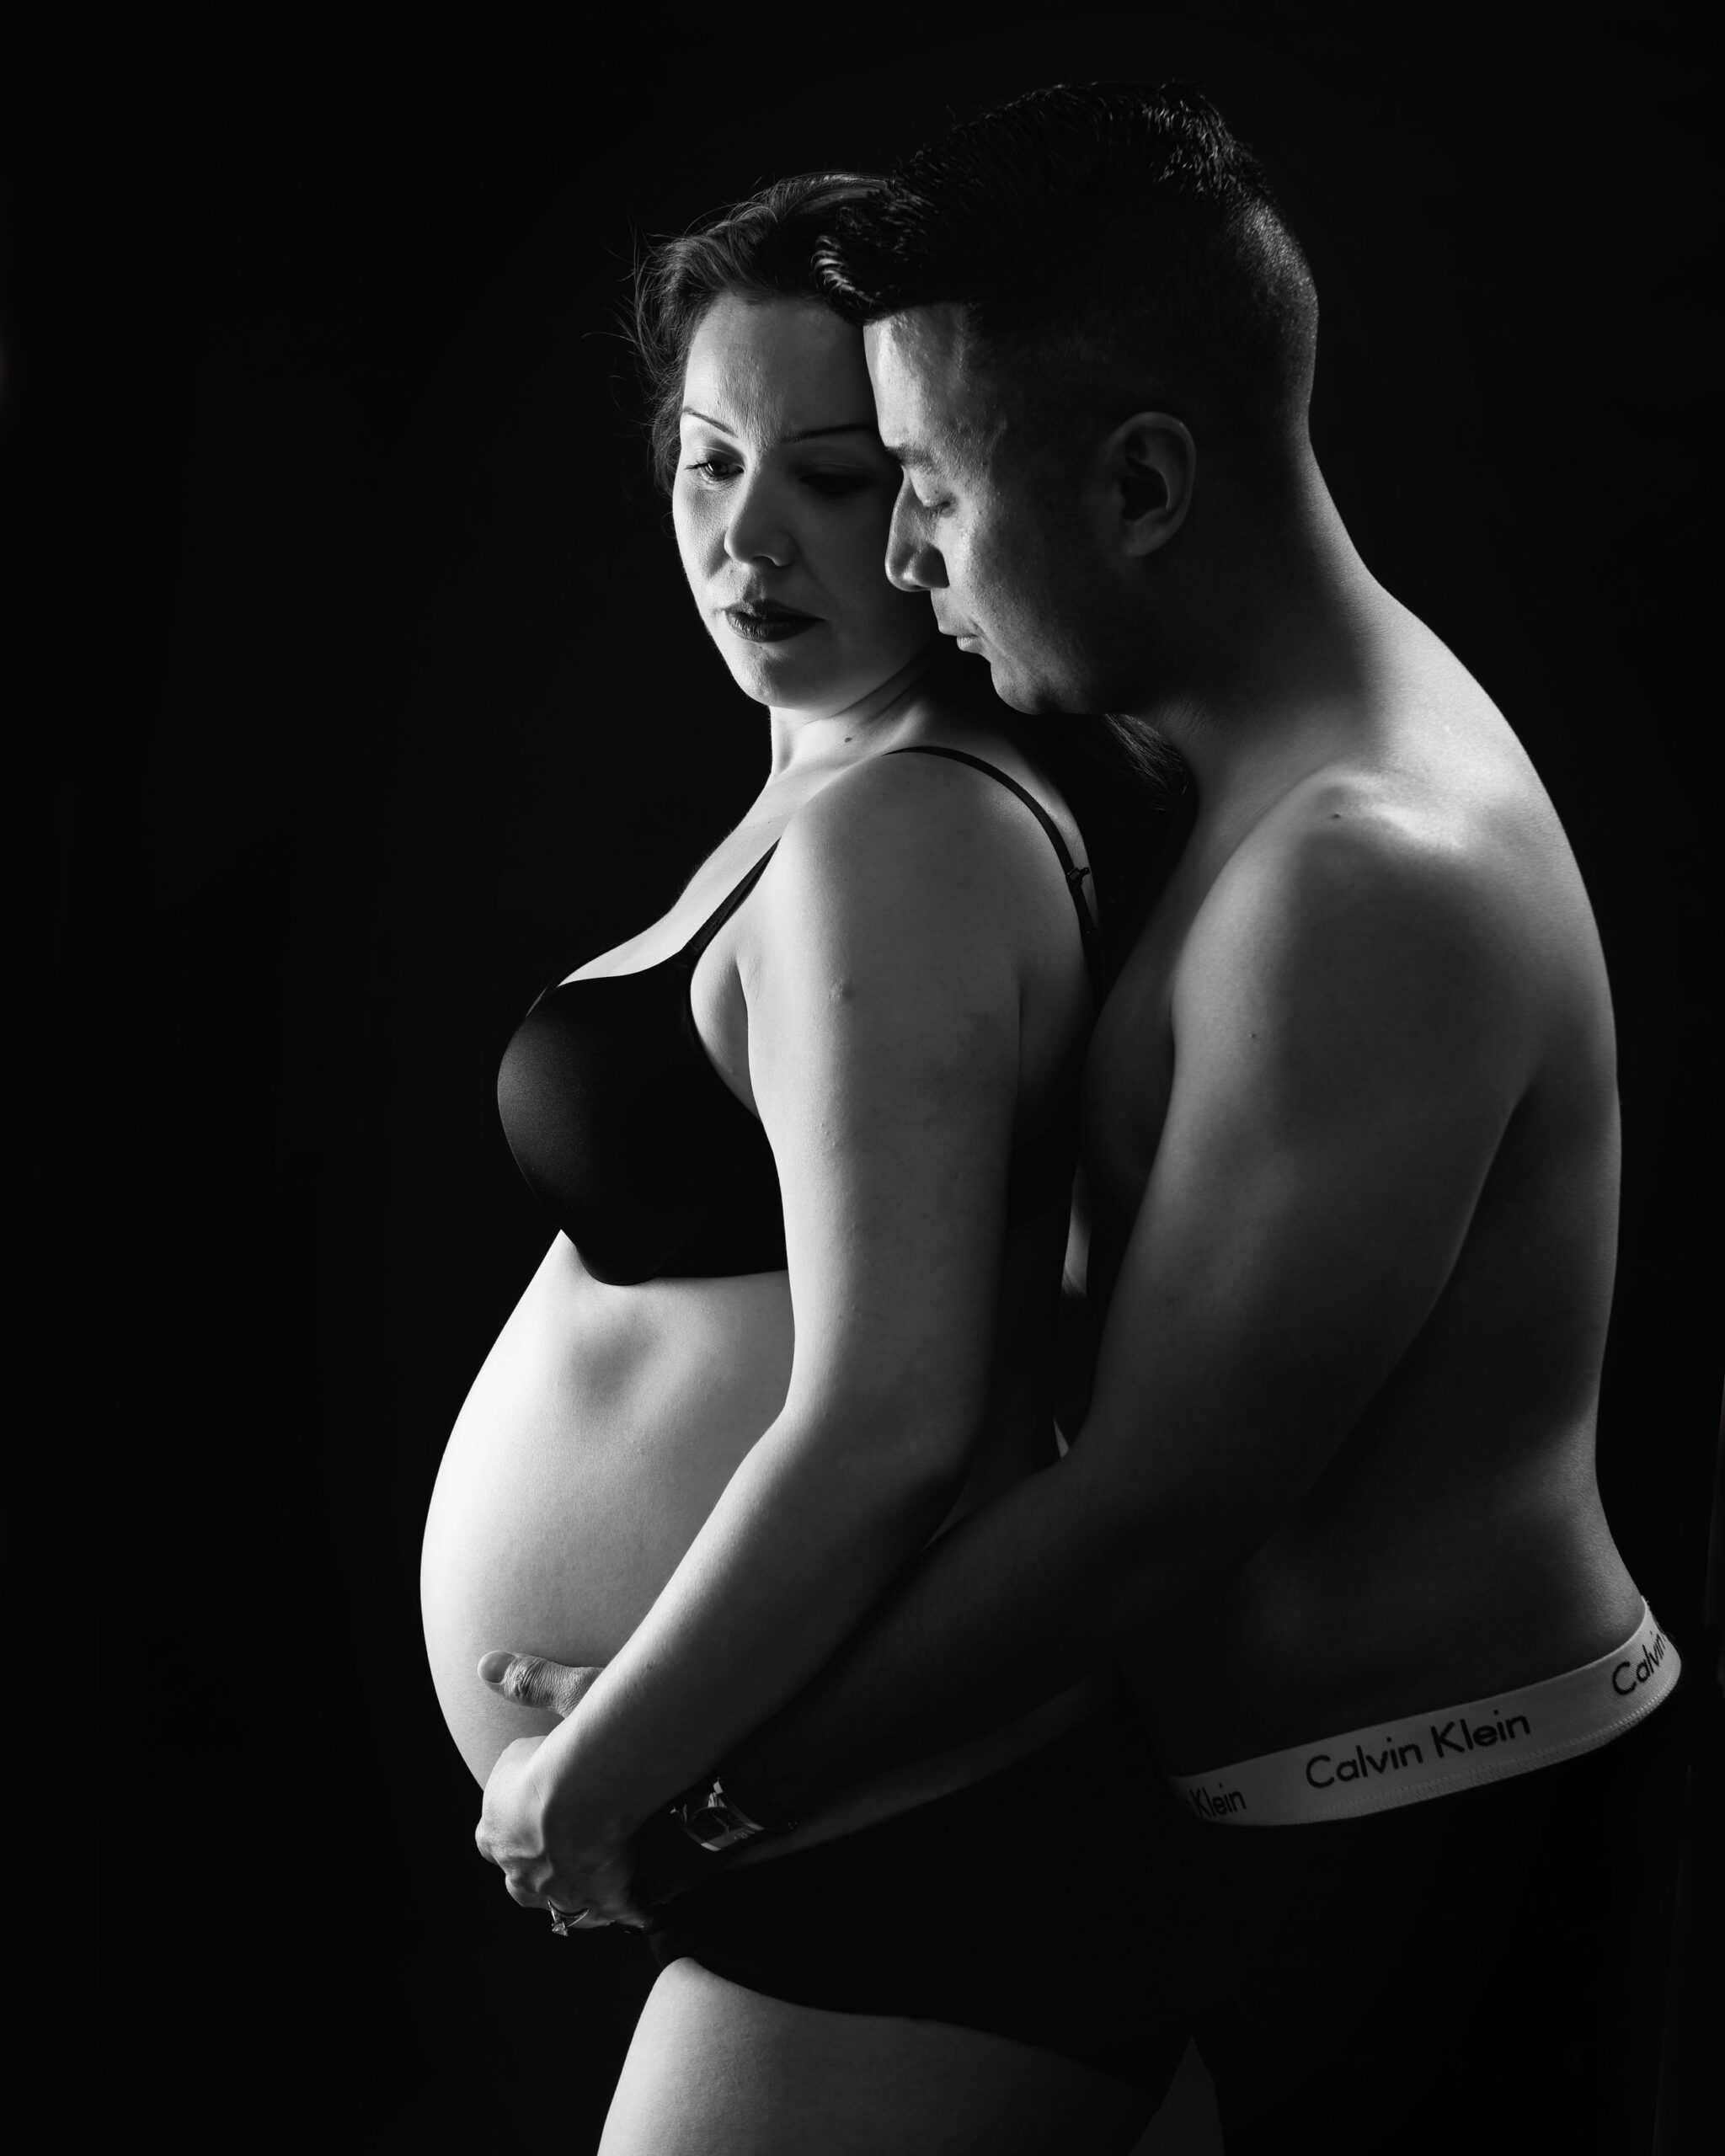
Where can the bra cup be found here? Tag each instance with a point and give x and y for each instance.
(639, 1150)
(682, 1181)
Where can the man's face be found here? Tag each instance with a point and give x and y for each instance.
(992, 526)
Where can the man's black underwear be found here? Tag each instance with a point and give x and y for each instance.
(1484, 1971)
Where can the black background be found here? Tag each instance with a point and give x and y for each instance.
(406, 711)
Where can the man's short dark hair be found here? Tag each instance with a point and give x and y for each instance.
(1117, 232)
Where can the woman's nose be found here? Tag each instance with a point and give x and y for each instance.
(913, 563)
(757, 529)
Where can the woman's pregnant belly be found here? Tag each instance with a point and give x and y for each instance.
(595, 1440)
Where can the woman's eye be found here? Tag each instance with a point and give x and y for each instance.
(714, 467)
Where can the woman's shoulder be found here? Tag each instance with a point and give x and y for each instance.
(926, 806)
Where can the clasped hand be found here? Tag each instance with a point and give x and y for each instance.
(522, 1831)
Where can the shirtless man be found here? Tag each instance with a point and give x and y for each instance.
(1350, 1126)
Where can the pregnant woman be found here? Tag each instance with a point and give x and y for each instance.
(808, 1139)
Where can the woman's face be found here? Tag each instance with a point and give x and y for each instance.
(782, 501)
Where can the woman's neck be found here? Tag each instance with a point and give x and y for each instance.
(803, 740)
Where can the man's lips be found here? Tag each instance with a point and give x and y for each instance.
(765, 621)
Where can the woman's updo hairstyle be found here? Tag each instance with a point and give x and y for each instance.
(760, 249)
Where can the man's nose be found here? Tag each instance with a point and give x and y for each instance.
(913, 563)
(758, 530)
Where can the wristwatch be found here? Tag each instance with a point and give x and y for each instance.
(723, 1813)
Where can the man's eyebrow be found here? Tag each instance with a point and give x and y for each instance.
(803, 434)
(910, 454)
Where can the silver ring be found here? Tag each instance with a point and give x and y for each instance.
(564, 1921)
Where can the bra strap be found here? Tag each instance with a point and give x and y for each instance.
(1075, 876)
(726, 907)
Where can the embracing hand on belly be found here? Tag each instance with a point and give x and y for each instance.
(583, 1888)
(586, 1890)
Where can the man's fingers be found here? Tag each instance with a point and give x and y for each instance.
(531, 1680)
(668, 1863)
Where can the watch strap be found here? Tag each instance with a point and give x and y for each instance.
(724, 1813)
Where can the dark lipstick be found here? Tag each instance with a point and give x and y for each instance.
(764, 621)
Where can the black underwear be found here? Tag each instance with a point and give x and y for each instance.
(1481, 1972)
(1484, 1971)
(1016, 1906)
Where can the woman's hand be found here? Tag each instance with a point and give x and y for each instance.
(669, 1862)
(517, 1831)
(518, 1826)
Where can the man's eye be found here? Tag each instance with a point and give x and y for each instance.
(934, 509)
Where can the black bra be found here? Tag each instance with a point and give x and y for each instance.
(643, 1155)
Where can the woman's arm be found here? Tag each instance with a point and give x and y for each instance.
(884, 973)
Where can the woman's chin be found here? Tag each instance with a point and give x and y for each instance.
(786, 675)
(809, 684)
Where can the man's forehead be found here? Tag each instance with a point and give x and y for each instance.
(922, 387)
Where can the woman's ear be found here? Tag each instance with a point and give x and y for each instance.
(1150, 464)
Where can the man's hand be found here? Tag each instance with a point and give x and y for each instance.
(531, 1680)
(668, 1862)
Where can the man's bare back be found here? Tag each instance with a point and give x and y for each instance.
(1453, 1541)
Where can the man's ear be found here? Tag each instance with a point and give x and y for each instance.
(1151, 466)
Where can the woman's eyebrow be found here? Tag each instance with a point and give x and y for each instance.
(803, 434)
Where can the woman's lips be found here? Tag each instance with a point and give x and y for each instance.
(760, 621)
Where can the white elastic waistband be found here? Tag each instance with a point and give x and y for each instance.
(1430, 1755)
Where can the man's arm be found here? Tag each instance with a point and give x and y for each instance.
(1352, 1034)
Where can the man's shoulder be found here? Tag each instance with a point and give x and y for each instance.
(1360, 844)
(1355, 885)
